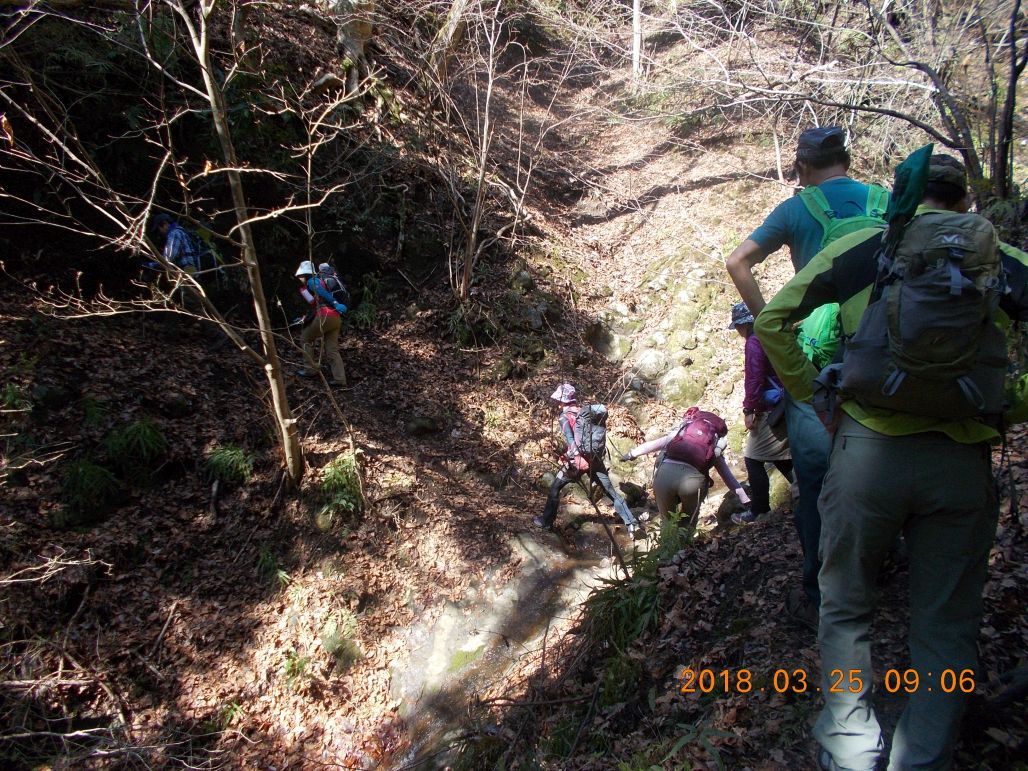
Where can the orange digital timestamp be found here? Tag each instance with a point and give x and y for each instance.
(742, 681)
(945, 680)
(797, 680)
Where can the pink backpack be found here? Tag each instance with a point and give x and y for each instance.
(696, 439)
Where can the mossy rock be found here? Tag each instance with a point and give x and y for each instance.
(523, 281)
(683, 387)
(501, 370)
(612, 346)
(51, 396)
(175, 404)
(651, 364)
(736, 436)
(635, 495)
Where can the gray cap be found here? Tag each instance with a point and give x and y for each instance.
(948, 170)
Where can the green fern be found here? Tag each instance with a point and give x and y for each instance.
(12, 397)
(367, 309)
(230, 464)
(295, 668)
(87, 489)
(341, 486)
(135, 449)
(93, 412)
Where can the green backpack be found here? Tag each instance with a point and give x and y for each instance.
(820, 332)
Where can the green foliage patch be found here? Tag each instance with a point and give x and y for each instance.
(87, 490)
(135, 449)
(269, 570)
(295, 668)
(339, 639)
(230, 464)
(340, 489)
(367, 309)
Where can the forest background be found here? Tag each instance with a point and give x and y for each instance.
(206, 563)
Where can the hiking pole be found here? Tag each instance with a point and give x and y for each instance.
(617, 549)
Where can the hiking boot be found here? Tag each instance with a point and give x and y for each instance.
(305, 373)
(802, 609)
(542, 523)
(746, 517)
(636, 531)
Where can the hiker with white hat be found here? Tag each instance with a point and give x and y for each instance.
(584, 432)
(323, 322)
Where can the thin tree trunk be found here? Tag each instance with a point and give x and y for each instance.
(637, 37)
(289, 436)
(1003, 171)
(447, 39)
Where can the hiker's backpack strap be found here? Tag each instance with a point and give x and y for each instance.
(877, 201)
(818, 206)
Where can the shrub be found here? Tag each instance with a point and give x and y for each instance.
(93, 412)
(341, 486)
(366, 312)
(269, 570)
(339, 639)
(12, 397)
(295, 668)
(87, 490)
(230, 464)
(135, 449)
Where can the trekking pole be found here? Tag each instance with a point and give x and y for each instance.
(617, 549)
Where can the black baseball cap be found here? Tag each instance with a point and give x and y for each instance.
(814, 141)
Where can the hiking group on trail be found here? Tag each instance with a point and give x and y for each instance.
(879, 375)
(891, 434)
(876, 380)
(322, 291)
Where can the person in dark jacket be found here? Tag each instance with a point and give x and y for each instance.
(763, 391)
(574, 465)
(178, 247)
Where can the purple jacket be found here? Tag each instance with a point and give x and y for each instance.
(758, 372)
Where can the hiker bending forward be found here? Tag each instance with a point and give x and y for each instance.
(575, 462)
(687, 455)
(322, 323)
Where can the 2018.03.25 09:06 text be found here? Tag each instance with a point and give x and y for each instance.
(839, 681)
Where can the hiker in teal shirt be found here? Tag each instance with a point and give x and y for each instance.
(822, 162)
(927, 477)
(792, 225)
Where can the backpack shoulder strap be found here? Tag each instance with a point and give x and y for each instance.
(877, 201)
(817, 205)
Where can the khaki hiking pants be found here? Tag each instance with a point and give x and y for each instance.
(324, 328)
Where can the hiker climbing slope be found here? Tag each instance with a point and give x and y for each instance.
(822, 162)
(920, 406)
(687, 455)
(322, 323)
(584, 433)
